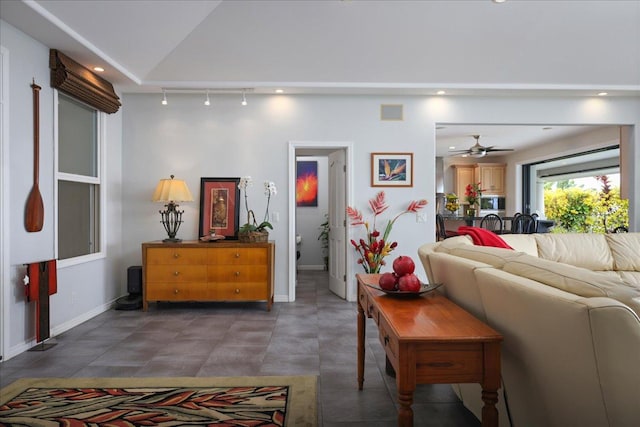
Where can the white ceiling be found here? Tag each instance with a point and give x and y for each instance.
(466, 47)
(329, 46)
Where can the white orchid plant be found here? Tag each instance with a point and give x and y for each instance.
(269, 190)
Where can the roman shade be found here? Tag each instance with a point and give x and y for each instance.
(76, 80)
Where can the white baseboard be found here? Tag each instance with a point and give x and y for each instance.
(26, 345)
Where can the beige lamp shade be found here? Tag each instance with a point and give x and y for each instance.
(172, 190)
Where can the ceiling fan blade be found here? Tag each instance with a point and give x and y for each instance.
(499, 149)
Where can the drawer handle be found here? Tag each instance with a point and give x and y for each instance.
(440, 364)
(237, 291)
(386, 340)
(175, 291)
(237, 255)
(176, 255)
(237, 273)
(176, 273)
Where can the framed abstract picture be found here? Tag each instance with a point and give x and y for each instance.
(306, 183)
(219, 207)
(392, 169)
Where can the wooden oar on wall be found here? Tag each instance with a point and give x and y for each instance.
(34, 214)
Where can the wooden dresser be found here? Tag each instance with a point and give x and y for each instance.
(197, 271)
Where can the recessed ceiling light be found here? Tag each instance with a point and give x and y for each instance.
(98, 69)
(440, 92)
(452, 147)
(603, 93)
(279, 90)
(499, 1)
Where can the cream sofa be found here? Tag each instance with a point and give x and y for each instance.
(568, 307)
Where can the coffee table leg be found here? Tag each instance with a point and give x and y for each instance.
(361, 333)
(491, 384)
(405, 413)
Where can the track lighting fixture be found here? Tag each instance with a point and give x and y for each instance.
(206, 102)
(244, 99)
(164, 97)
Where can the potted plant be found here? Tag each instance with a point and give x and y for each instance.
(324, 240)
(251, 231)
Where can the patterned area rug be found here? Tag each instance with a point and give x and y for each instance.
(123, 402)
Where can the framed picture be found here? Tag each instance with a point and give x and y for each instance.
(219, 207)
(392, 169)
(306, 183)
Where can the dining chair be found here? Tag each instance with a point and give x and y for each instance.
(492, 222)
(524, 224)
(441, 232)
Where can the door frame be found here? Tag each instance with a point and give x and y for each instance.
(291, 240)
(4, 198)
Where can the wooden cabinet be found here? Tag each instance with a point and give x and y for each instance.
(196, 271)
(464, 175)
(491, 177)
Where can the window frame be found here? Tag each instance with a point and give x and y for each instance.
(101, 251)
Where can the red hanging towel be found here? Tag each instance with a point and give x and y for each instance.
(43, 282)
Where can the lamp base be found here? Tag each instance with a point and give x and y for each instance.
(171, 240)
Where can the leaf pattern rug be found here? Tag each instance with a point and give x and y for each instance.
(171, 401)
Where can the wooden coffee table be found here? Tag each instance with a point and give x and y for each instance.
(430, 340)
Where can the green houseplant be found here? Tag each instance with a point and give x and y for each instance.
(324, 240)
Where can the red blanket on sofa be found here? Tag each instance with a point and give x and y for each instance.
(483, 237)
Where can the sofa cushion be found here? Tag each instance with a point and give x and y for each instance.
(576, 280)
(452, 242)
(496, 257)
(522, 242)
(586, 250)
(625, 249)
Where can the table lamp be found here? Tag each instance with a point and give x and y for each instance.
(170, 191)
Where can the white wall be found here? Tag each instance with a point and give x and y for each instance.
(191, 141)
(83, 290)
(309, 218)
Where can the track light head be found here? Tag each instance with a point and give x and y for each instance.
(206, 102)
(244, 99)
(164, 97)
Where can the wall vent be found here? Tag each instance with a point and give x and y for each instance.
(392, 112)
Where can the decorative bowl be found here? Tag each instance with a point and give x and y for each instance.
(424, 288)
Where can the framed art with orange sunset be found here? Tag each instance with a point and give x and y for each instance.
(306, 183)
(392, 169)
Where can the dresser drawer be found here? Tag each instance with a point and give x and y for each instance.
(388, 339)
(163, 291)
(241, 292)
(177, 273)
(241, 273)
(455, 362)
(171, 256)
(237, 256)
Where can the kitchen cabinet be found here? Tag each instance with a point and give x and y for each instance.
(464, 175)
(491, 177)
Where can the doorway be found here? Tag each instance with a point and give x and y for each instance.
(339, 194)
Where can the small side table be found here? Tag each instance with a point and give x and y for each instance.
(430, 340)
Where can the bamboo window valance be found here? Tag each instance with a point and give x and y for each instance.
(78, 81)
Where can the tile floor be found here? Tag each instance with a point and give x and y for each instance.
(316, 335)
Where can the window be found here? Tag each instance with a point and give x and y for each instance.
(78, 179)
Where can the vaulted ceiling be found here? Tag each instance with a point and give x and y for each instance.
(329, 46)
(465, 47)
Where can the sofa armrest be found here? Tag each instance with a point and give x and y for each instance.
(616, 343)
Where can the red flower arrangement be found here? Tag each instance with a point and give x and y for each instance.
(372, 251)
(472, 193)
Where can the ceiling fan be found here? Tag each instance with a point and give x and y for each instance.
(479, 150)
